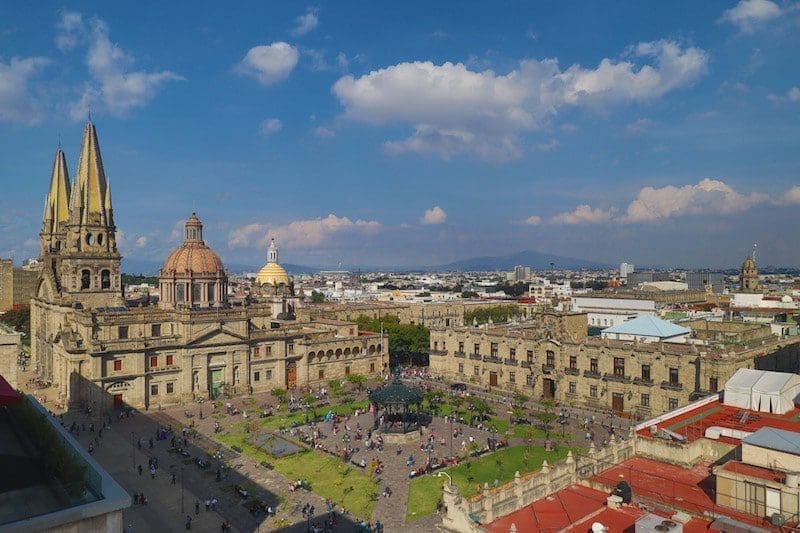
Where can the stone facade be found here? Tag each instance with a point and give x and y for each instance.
(98, 351)
(10, 348)
(17, 285)
(642, 379)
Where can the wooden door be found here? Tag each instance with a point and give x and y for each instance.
(118, 403)
(291, 376)
(548, 388)
(617, 402)
(493, 379)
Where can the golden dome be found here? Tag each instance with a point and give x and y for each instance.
(193, 258)
(272, 274)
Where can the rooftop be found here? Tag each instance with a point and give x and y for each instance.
(648, 326)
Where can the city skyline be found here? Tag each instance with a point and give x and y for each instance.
(652, 134)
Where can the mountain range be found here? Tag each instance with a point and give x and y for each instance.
(535, 260)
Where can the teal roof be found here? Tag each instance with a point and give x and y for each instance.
(648, 326)
(775, 439)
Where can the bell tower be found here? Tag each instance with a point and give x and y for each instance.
(89, 271)
(56, 207)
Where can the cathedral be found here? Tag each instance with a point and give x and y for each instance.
(193, 344)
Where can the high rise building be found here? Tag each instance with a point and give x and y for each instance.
(625, 269)
(700, 281)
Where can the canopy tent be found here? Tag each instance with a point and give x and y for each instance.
(761, 390)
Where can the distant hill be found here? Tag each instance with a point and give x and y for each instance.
(151, 268)
(531, 258)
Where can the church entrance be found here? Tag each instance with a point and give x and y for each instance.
(548, 388)
(291, 375)
(118, 403)
(215, 383)
(617, 402)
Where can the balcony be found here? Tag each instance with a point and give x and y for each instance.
(548, 369)
(475, 356)
(438, 352)
(525, 364)
(460, 354)
(510, 362)
(643, 381)
(571, 371)
(591, 374)
(619, 378)
(668, 385)
(491, 359)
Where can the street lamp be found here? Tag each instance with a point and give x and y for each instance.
(133, 452)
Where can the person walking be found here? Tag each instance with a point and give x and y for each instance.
(188, 522)
(197, 507)
(140, 470)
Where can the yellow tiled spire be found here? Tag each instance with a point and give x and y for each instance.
(57, 207)
(91, 177)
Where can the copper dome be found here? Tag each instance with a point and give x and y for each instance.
(193, 258)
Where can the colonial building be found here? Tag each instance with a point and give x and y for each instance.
(551, 357)
(194, 343)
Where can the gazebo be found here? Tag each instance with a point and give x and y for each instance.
(393, 404)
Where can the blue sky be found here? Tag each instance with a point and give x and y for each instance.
(404, 134)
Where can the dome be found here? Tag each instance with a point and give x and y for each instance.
(193, 258)
(272, 274)
(749, 264)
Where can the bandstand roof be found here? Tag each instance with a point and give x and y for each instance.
(396, 393)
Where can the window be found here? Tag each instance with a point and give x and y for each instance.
(153, 361)
(494, 349)
(267, 350)
(170, 387)
(444, 345)
(645, 372)
(529, 380)
(256, 376)
(122, 332)
(673, 403)
(512, 353)
(196, 292)
(593, 366)
(573, 362)
(573, 387)
(290, 348)
(477, 349)
(512, 377)
(372, 367)
(550, 358)
(211, 292)
(619, 366)
(529, 356)
(256, 351)
(673, 376)
(105, 279)
(713, 384)
(169, 360)
(321, 374)
(593, 391)
(154, 390)
(155, 330)
(645, 400)
(269, 374)
(461, 347)
(347, 370)
(117, 365)
(476, 371)
(86, 278)
(435, 345)
(180, 292)
(460, 368)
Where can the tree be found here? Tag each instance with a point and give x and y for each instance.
(20, 320)
(457, 402)
(336, 387)
(498, 314)
(480, 408)
(409, 341)
(317, 297)
(519, 399)
(358, 380)
(546, 416)
(280, 394)
(311, 400)
(469, 294)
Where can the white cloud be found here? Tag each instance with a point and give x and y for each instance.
(792, 196)
(303, 234)
(17, 103)
(306, 23)
(113, 87)
(324, 133)
(792, 95)
(533, 220)
(269, 63)
(568, 127)
(270, 126)
(141, 241)
(434, 215)
(708, 196)
(455, 110)
(748, 14)
(70, 30)
(548, 146)
(584, 214)
(638, 126)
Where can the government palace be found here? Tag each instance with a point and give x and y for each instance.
(193, 344)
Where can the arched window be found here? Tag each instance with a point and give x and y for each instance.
(180, 292)
(105, 279)
(89, 238)
(99, 238)
(86, 278)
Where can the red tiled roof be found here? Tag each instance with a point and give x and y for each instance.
(754, 471)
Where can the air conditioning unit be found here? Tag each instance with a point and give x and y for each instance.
(651, 523)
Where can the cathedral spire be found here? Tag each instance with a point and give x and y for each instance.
(57, 209)
(91, 178)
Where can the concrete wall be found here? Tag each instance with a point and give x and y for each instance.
(771, 459)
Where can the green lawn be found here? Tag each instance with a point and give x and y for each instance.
(425, 492)
(288, 420)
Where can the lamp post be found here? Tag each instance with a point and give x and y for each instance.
(133, 452)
